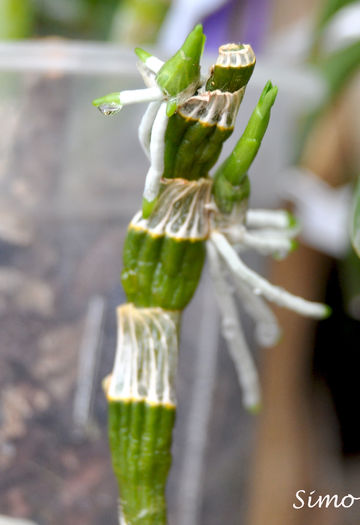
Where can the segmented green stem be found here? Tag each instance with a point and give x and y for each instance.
(233, 68)
(164, 249)
(140, 441)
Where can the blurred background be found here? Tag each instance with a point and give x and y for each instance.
(70, 182)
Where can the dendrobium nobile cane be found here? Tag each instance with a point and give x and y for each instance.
(187, 214)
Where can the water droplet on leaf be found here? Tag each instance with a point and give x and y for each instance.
(110, 108)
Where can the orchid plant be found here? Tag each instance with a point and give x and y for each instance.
(186, 215)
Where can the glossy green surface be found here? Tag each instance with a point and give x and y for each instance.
(140, 442)
(209, 151)
(226, 194)
(229, 78)
(234, 169)
(183, 69)
(192, 148)
(161, 271)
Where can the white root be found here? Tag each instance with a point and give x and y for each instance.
(154, 64)
(268, 218)
(261, 286)
(233, 334)
(146, 124)
(133, 96)
(270, 233)
(157, 147)
(267, 329)
(266, 241)
(266, 244)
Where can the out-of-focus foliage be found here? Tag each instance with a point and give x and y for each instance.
(86, 19)
(139, 20)
(16, 19)
(330, 8)
(127, 21)
(336, 67)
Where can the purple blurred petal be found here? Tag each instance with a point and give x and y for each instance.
(256, 23)
(240, 21)
(216, 26)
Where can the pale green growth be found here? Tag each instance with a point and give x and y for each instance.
(230, 181)
(142, 54)
(171, 107)
(147, 207)
(111, 98)
(293, 222)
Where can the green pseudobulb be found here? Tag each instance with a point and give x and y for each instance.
(228, 78)
(140, 442)
(160, 270)
(192, 147)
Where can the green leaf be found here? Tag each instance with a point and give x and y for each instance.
(183, 69)
(329, 10)
(338, 67)
(235, 167)
(16, 19)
